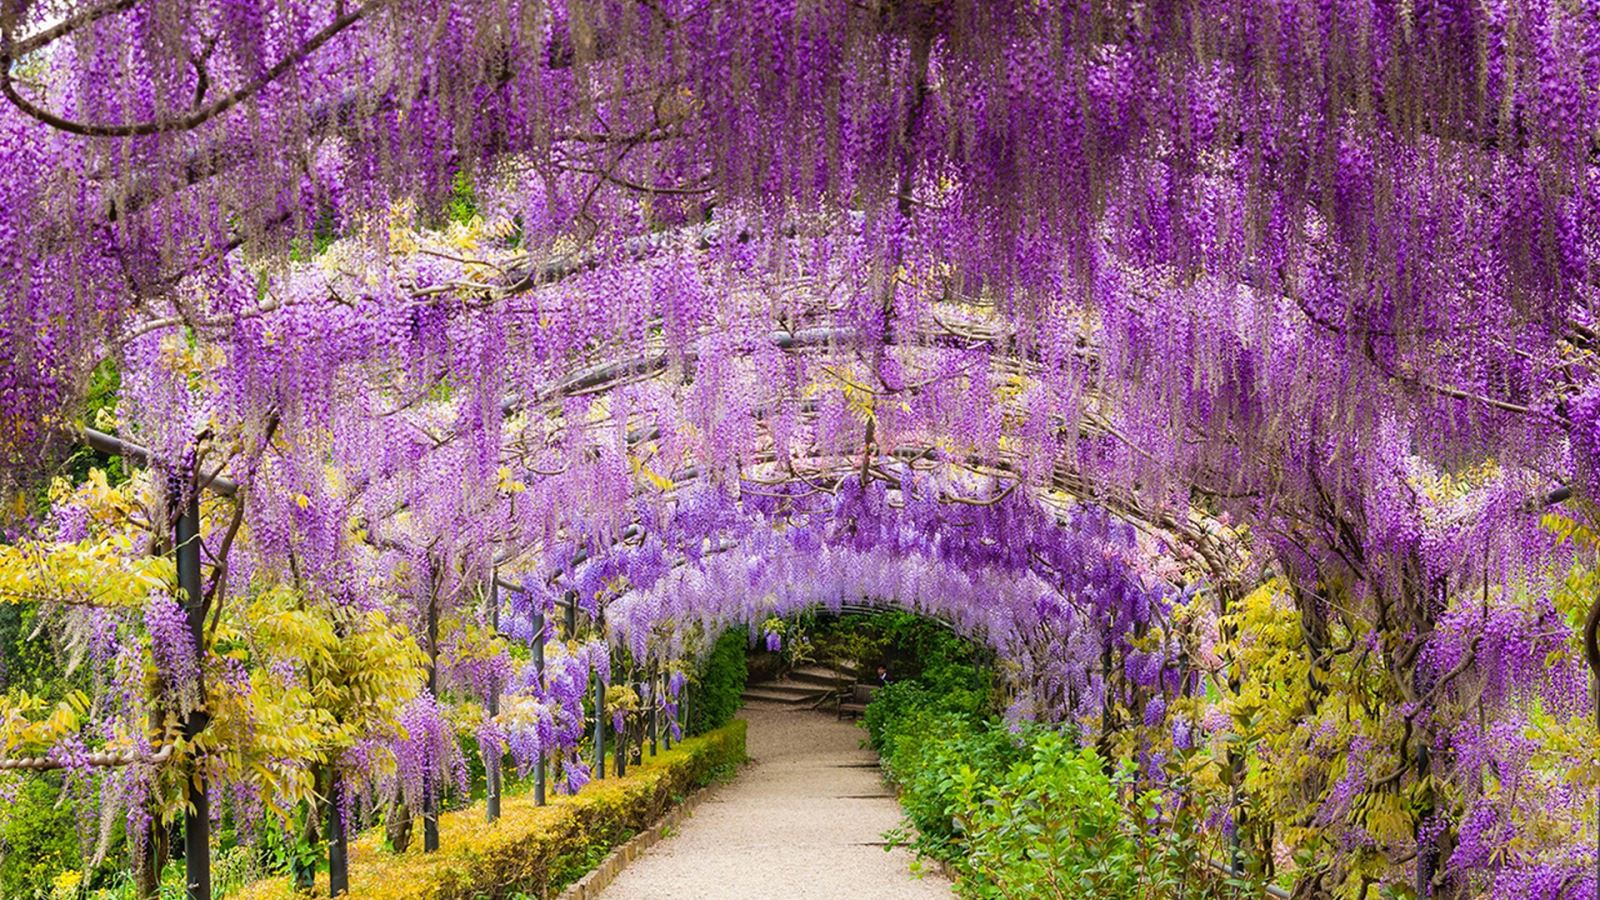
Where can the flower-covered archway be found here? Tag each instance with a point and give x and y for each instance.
(1052, 598)
(1306, 295)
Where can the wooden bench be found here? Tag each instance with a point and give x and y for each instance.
(854, 699)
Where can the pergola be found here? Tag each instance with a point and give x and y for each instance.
(1108, 302)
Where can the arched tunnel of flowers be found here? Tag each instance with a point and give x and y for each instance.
(380, 377)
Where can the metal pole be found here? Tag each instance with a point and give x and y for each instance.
(655, 704)
(338, 839)
(1591, 649)
(666, 731)
(599, 728)
(492, 772)
(430, 800)
(620, 750)
(538, 668)
(197, 818)
(684, 717)
(600, 712)
(1427, 851)
(338, 850)
(639, 729)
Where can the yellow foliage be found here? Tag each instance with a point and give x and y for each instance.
(361, 667)
(661, 482)
(22, 732)
(1276, 714)
(102, 572)
(66, 884)
(517, 852)
(860, 399)
(354, 672)
(108, 567)
(509, 485)
(623, 699)
(403, 239)
(463, 236)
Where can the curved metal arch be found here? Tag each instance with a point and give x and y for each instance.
(1027, 646)
(1220, 550)
(1219, 546)
(634, 535)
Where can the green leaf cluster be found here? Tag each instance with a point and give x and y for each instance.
(1056, 825)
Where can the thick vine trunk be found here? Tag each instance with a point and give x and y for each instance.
(1422, 601)
(147, 869)
(397, 827)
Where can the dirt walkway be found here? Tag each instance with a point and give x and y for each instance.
(804, 820)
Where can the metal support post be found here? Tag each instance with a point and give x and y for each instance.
(538, 668)
(197, 818)
(338, 846)
(491, 773)
(430, 791)
(655, 705)
(600, 710)
(1591, 650)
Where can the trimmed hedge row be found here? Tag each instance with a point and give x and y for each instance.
(530, 843)
(719, 687)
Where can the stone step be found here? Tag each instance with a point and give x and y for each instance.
(793, 687)
(788, 689)
(821, 676)
(774, 705)
(791, 684)
(780, 693)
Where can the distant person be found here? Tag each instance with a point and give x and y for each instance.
(883, 676)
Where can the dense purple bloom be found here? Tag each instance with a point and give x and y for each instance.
(1066, 330)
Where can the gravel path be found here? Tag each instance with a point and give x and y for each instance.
(804, 820)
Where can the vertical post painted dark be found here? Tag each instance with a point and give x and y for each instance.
(620, 748)
(430, 791)
(338, 843)
(655, 705)
(600, 712)
(492, 771)
(538, 667)
(197, 818)
(1591, 650)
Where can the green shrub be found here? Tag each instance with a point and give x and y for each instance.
(531, 848)
(913, 647)
(1054, 825)
(928, 751)
(902, 700)
(1050, 827)
(927, 728)
(1026, 814)
(1022, 813)
(38, 839)
(720, 684)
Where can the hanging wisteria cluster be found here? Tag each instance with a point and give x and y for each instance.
(1159, 345)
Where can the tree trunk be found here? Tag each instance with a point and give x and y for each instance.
(147, 871)
(397, 827)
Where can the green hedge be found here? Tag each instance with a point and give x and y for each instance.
(721, 683)
(37, 838)
(531, 846)
(1054, 826)
(926, 750)
(1026, 813)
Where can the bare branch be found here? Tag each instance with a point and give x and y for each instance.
(190, 120)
